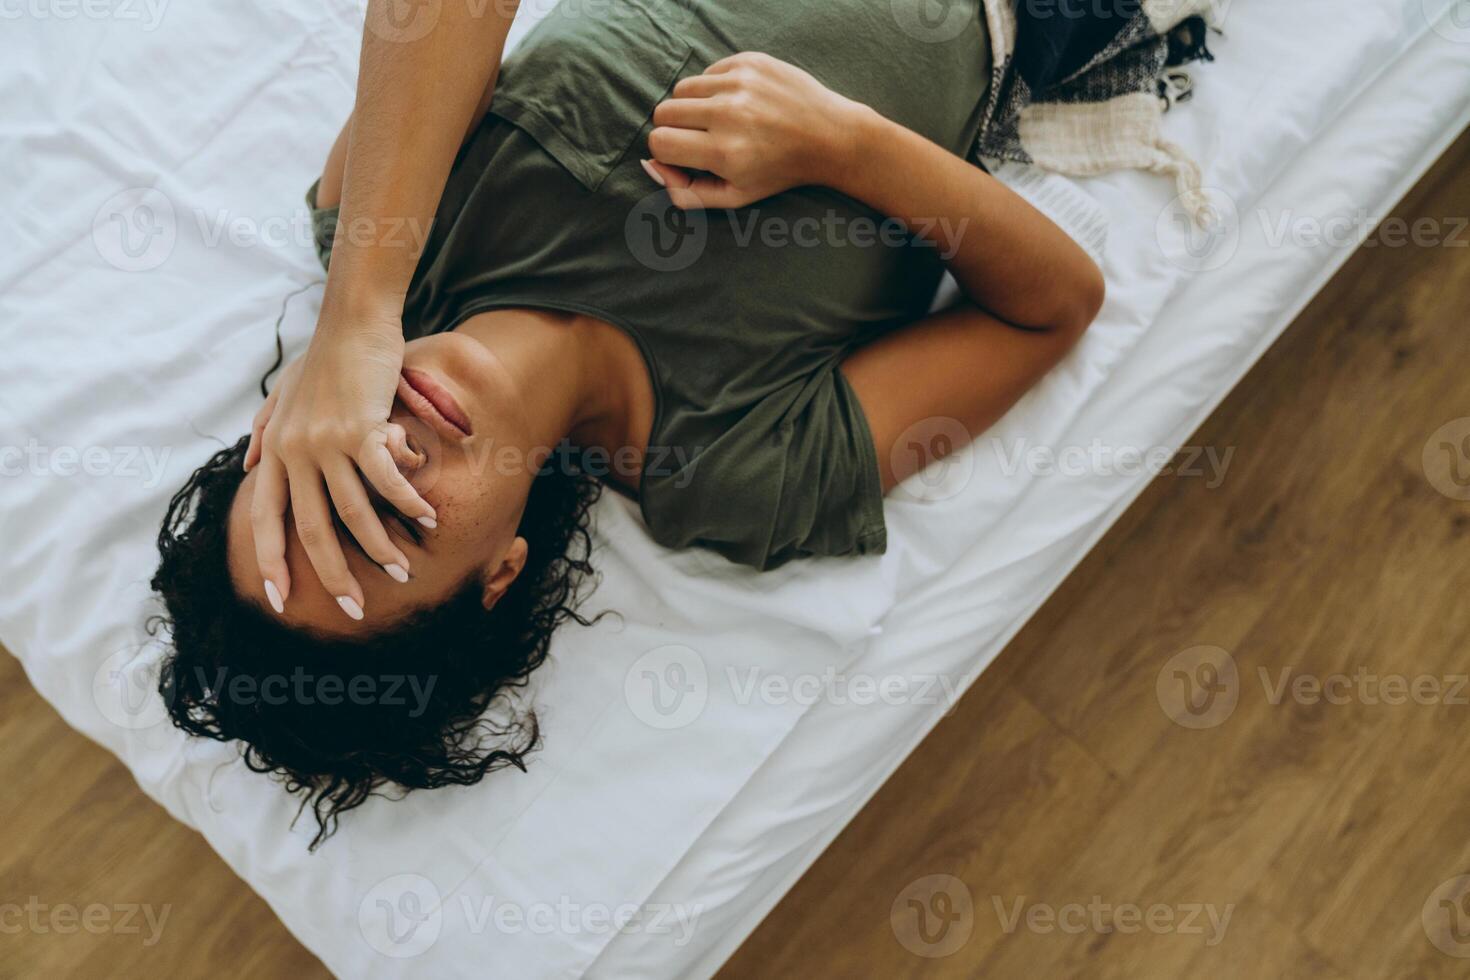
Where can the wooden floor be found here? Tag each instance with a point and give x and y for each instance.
(1061, 822)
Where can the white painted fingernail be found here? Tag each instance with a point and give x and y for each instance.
(273, 594)
(428, 522)
(652, 172)
(396, 572)
(349, 606)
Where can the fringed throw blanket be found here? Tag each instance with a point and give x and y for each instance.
(1080, 86)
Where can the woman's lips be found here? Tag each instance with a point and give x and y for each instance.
(426, 398)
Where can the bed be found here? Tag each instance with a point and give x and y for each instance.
(706, 742)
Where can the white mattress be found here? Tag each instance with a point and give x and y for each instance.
(700, 819)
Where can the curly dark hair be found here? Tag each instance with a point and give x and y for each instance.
(428, 703)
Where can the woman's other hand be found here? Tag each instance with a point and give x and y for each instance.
(322, 434)
(757, 125)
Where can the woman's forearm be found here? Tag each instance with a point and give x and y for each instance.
(1007, 257)
(419, 86)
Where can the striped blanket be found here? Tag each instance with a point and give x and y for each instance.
(1080, 86)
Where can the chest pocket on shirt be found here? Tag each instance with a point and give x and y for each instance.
(587, 78)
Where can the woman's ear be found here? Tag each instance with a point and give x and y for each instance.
(501, 576)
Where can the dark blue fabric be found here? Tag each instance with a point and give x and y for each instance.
(1057, 38)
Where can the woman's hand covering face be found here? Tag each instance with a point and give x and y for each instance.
(320, 436)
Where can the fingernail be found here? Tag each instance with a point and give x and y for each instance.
(349, 606)
(649, 169)
(273, 595)
(396, 571)
(428, 522)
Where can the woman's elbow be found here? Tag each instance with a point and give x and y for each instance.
(1085, 300)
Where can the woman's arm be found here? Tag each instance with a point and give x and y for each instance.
(334, 170)
(420, 82)
(761, 126)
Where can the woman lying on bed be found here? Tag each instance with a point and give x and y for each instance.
(733, 332)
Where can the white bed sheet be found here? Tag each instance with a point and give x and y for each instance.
(1200, 345)
(119, 356)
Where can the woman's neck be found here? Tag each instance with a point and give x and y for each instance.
(572, 377)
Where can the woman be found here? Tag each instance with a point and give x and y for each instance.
(731, 330)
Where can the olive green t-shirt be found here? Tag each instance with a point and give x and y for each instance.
(759, 448)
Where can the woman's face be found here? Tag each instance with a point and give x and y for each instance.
(476, 483)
